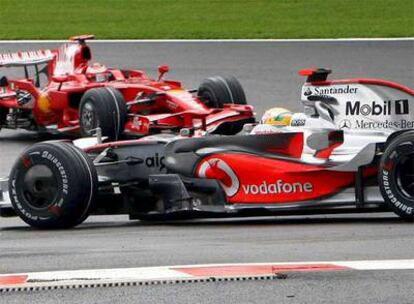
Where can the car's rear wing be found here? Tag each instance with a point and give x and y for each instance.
(26, 58)
(315, 74)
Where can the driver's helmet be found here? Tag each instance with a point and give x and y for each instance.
(98, 72)
(277, 117)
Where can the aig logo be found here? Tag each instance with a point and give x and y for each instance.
(388, 107)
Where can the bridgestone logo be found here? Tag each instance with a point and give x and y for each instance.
(61, 169)
(390, 195)
(279, 187)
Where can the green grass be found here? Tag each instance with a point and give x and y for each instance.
(198, 19)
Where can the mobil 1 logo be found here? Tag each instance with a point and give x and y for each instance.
(387, 107)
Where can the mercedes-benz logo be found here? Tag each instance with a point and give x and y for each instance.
(345, 123)
(308, 92)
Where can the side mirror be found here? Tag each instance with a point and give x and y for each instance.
(60, 80)
(163, 69)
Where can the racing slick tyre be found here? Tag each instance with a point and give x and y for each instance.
(396, 175)
(103, 108)
(53, 185)
(217, 90)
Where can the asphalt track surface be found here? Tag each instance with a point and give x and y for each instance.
(268, 71)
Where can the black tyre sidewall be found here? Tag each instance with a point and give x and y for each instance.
(387, 179)
(224, 89)
(76, 182)
(239, 97)
(110, 111)
(216, 90)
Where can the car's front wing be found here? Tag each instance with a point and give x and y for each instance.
(6, 208)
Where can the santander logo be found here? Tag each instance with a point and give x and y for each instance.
(216, 168)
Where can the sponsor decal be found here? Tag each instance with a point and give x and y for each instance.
(172, 105)
(185, 97)
(308, 92)
(386, 124)
(141, 124)
(298, 122)
(278, 187)
(155, 161)
(64, 178)
(387, 107)
(332, 90)
(345, 124)
(216, 168)
(27, 162)
(391, 196)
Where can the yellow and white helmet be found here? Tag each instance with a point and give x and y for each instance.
(277, 117)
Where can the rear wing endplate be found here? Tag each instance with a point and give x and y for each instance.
(314, 75)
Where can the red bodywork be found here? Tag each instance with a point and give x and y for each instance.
(273, 180)
(70, 75)
(276, 177)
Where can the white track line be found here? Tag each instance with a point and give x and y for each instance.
(214, 40)
(189, 272)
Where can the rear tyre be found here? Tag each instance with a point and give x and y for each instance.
(104, 108)
(217, 90)
(53, 185)
(396, 175)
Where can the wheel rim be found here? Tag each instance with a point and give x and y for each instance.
(404, 172)
(40, 187)
(88, 117)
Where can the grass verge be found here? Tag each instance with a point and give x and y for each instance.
(206, 19)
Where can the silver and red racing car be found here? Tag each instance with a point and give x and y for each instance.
(352, 150)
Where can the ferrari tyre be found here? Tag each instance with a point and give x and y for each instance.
(53, 185)
(396, 175)
(103, 108)
(218, 90)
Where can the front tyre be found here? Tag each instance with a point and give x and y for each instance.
(103, 108)
(396, 175)
(53, 185)
(218, 90)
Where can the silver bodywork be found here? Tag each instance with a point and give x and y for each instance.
(4, 193)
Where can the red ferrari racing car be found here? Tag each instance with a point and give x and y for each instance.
(81, 97)
(339, 156)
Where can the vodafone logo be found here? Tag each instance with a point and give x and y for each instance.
(216, 168)
(278, 187)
